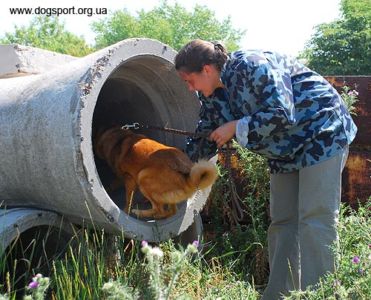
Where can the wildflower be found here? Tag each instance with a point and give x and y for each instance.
(33, 285)
(176, 256)
(356, 260)
(157, 252)
(145, 247)
(353, 93)
(361, 271)
(36, 277)
(369, 246)
(193, 248)
(108, 286)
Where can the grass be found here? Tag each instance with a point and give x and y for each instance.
(352, 278)
(232, 265)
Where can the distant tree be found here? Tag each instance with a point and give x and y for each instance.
(48, 33)
(170, 24)
(343, 47)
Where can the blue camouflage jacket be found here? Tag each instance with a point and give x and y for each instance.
(285, 111)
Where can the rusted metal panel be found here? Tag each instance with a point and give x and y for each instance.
(362, 84)
(357, 177)
(357, 172)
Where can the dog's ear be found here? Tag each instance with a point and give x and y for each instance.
(98, 143)
(102, 143)
(112, 142)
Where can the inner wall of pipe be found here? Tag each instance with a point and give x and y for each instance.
(139, 90)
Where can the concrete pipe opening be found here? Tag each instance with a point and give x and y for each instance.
(30, 239)
(49, 118)
(147, 90)
(137, 92)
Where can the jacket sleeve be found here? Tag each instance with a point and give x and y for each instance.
(199, 147)
(214, 112)
(269, 97)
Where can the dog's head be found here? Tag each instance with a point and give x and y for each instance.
(106, 141)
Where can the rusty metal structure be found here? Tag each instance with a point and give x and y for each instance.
(357, 172)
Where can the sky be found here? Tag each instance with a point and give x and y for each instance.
(281, 25)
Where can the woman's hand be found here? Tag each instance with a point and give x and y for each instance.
(224, 133)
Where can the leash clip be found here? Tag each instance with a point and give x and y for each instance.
(131, 126)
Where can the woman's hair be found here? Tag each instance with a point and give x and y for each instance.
(197, 53)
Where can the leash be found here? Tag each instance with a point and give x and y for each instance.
(137, 126)
(238, 212)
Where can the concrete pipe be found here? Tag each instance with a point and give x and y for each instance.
(47, 121)
(17, 221)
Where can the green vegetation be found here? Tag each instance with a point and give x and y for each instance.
(343, 47)
(170, 24)
(231, 265)
(50, 34)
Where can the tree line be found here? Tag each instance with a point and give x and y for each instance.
(341, 47)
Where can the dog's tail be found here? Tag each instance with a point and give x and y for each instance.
(202, 175)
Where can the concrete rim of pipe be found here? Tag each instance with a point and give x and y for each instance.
(144, 69)
(49, 117)
(16, 221)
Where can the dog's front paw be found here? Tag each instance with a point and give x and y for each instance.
(135, 212)
(147, 213)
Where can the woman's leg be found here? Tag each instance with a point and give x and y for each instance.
(319, 203)
(283, 235)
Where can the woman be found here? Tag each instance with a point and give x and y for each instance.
(277, 107)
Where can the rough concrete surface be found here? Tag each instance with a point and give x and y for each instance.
(17, 60)
(47, 122)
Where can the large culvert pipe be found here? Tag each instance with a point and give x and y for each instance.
(47, 122)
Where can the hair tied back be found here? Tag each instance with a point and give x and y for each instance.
(218, 46)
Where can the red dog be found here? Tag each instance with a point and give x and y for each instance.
(164, 175)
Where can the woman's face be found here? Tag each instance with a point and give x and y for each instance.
(205, 81)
